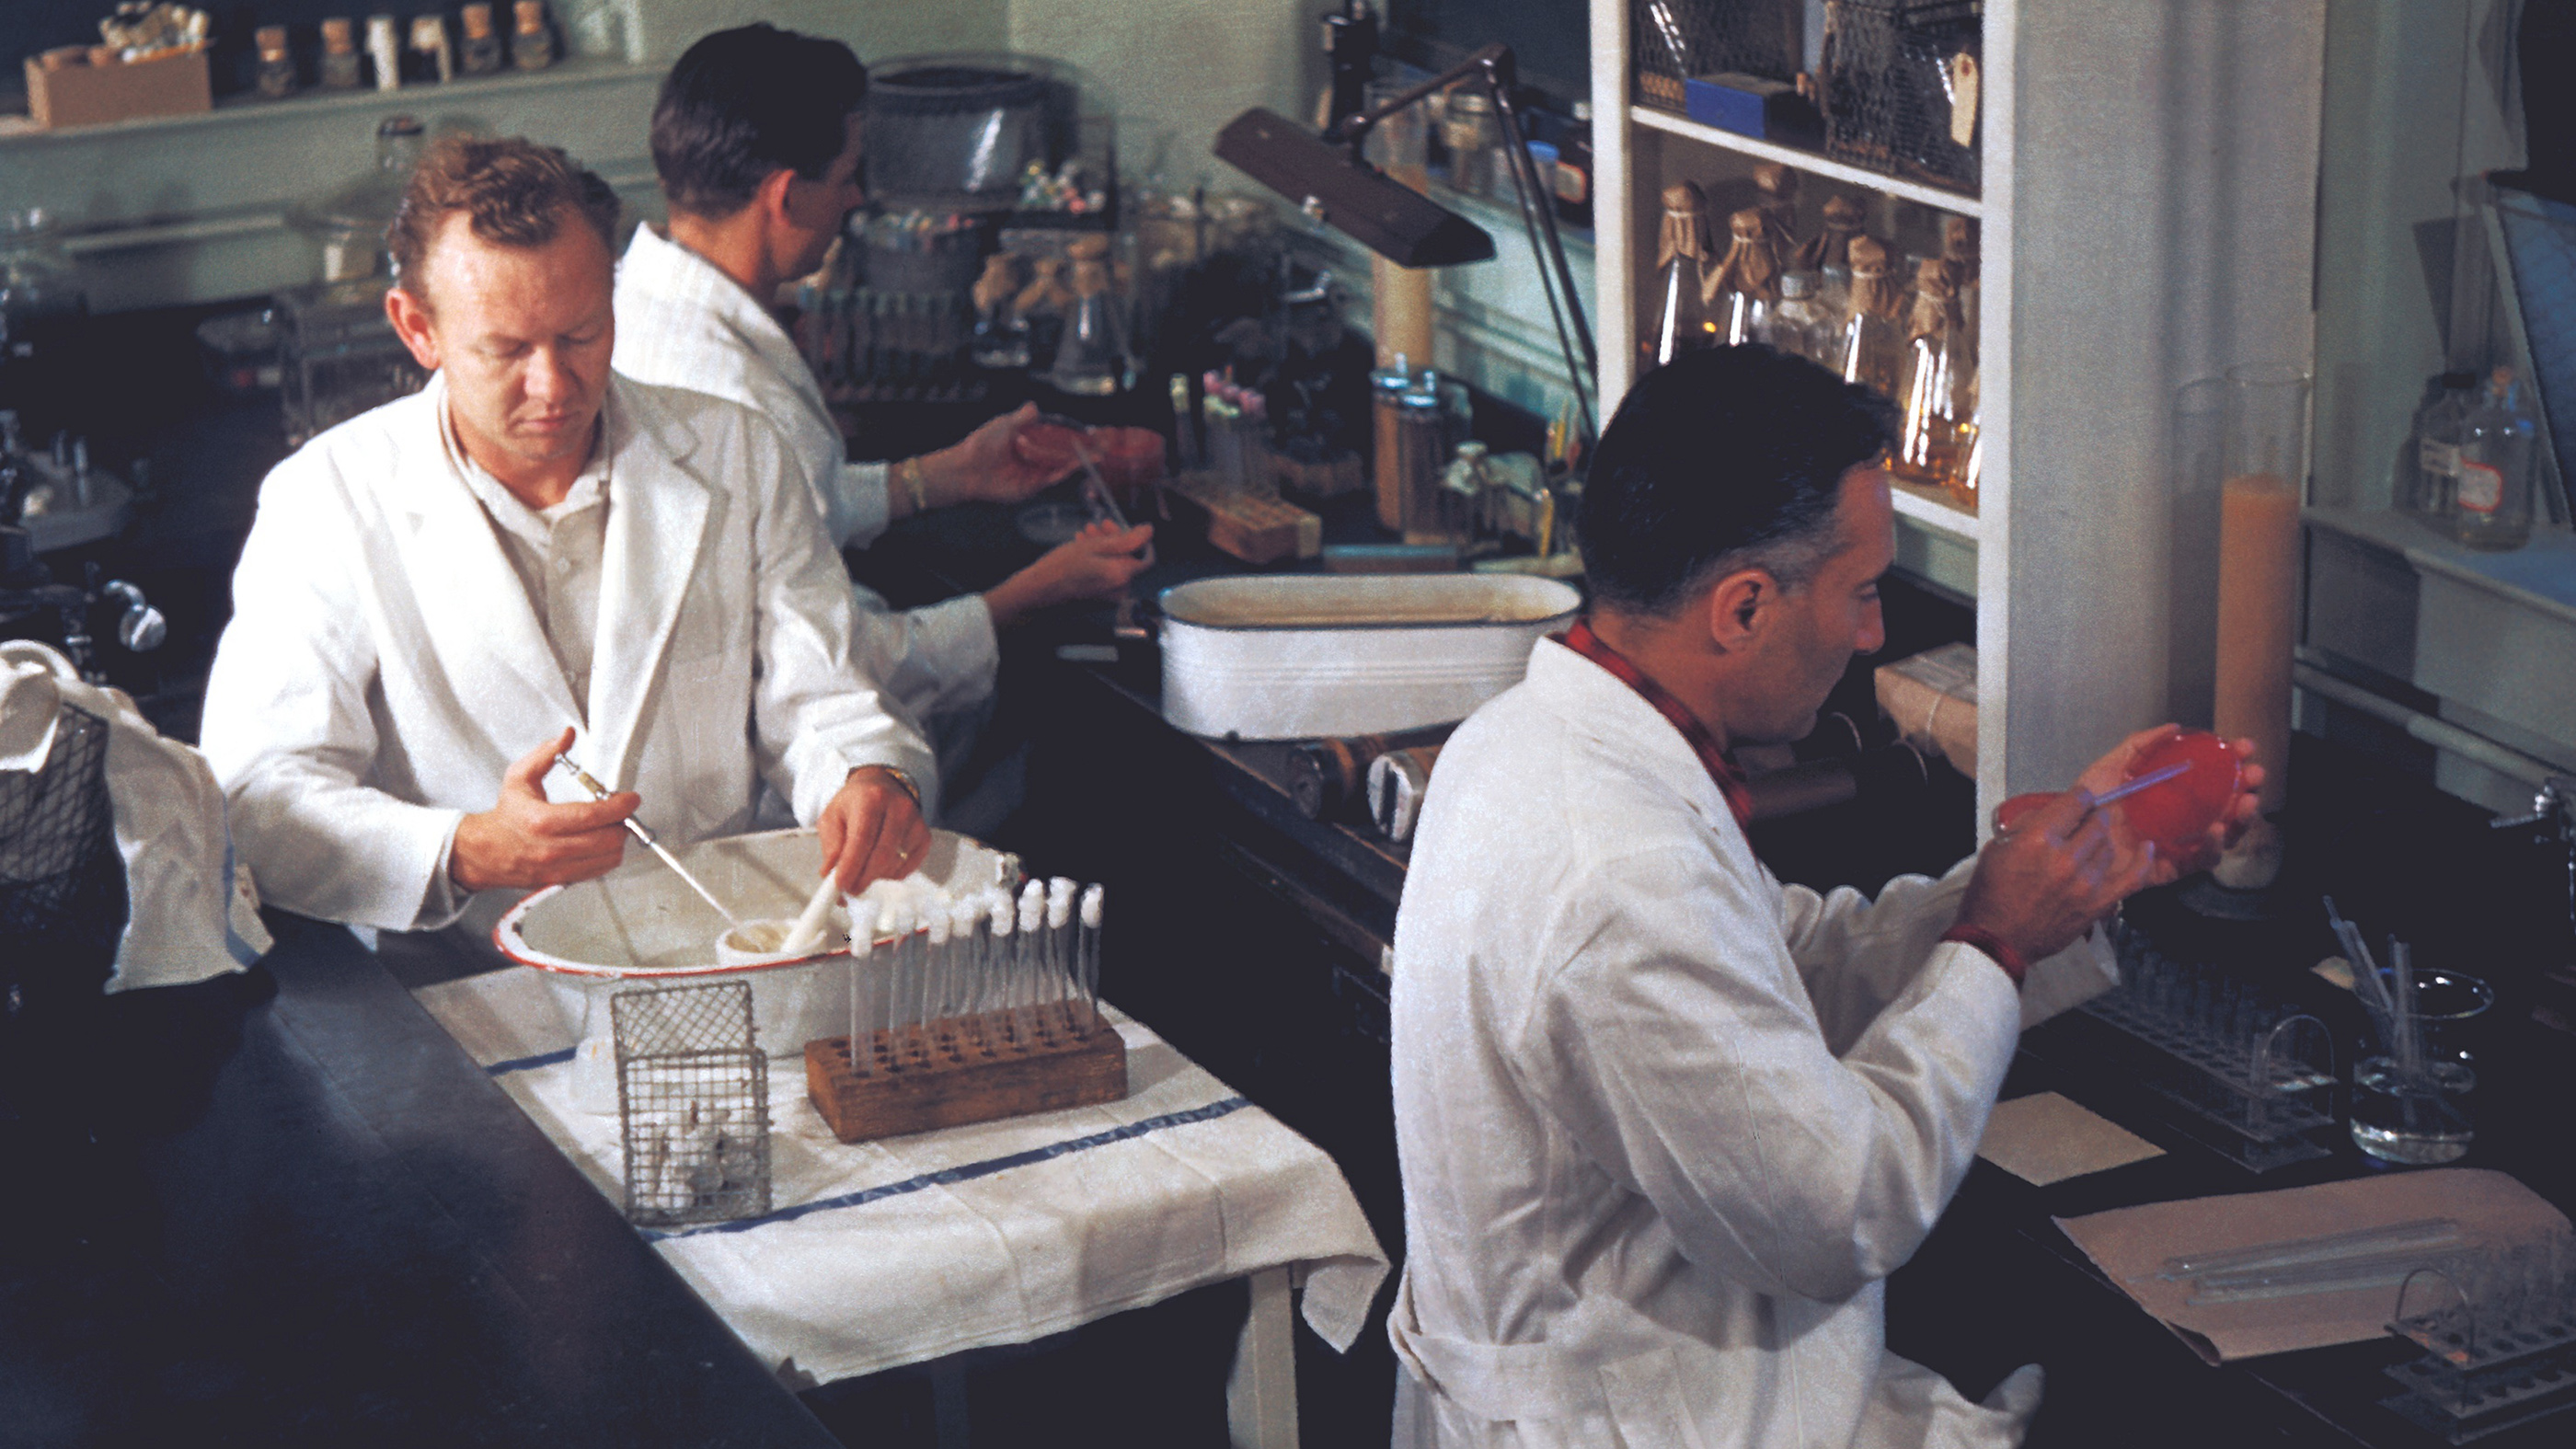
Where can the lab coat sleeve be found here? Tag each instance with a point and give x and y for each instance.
(854, 503)
(1676, 1047)
(289, 734)
(817, 713)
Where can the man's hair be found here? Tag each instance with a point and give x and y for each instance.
(1717, 462)
(513, 192)
(744, 103)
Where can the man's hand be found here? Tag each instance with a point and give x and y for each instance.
(2059, 870)
(1096, 563)
(872, 830)
(985, 467)
(2112, 770)
(526, 841)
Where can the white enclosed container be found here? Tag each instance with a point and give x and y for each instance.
(1296, 656)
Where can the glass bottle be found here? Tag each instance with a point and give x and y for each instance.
(339, 67)
(1959, 261)
(1746, 285)
(1001, 336)
(481, 52)
(1798, 324)
(1681, 259)
(1573, 180)
(1939, 397)
(432, 52)
(532, 45)
(1872, 346)
(1778, 186)
(1474, 139)
(1828, 253)
(2491, 508)
(1091, 356)
(349, 223)
(2436, 456)
(276, 75)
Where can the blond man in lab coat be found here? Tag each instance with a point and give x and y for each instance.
(438, 592)
(1666, 1125)
(757, 138)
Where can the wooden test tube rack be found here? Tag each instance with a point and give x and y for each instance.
(963, 1069)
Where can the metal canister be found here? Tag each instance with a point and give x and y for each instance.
(1427, 432)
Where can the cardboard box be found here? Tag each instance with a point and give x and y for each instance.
(1749, 105)
(175, 84)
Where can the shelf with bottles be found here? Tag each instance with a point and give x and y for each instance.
(1814, 163)
(1881, 290)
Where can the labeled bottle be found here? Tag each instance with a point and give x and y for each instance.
(1798, 324)
(1872, 347)
(434, 55)
(532, 45)
(339, 69)
(1682, 321)
(1938, 431)
(2436, 456)
(2491, 507)
(481, 52)
(1743, 289)
(276, 75)
(1778, 188)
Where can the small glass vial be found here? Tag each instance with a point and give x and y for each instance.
(1798, 325)
(1091, 356)
(2491, 507)
(532, 45)
(437, 58)
(1681, 263)
(339, 70)
(481, 53)
(1001, 336)
(2437, 450)
(276, 76)
(385, 49)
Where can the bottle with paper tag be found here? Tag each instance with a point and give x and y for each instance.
(2491, 503)
(2436, 456)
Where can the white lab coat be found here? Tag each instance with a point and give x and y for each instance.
(681, 322)
(383, 665)
(1666, 1124)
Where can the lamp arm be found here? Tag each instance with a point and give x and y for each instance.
(1581, 360)
(1494, 61)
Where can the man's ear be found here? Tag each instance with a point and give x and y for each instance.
(771, 196)
(1740, 609)
(412, 324)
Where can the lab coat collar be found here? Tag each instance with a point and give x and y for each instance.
(656, 521)
(660, 267)
(1577, 689)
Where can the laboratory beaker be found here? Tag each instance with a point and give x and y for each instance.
(2263, 459)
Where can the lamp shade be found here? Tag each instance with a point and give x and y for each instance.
(1353, 197)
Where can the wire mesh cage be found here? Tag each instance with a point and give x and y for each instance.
(1674, 40)
(1901, 87)
(62, 883)
(693, 1104)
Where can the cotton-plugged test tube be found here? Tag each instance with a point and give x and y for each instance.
(936, 963)
(863, 946)
(1031, 955)
(1090, 954)
(998, 954)
(1059, 939)
(965, 921)
(895, 924)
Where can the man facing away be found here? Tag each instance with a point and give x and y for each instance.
(1666, 1125)
(757, 137)
(441, 595)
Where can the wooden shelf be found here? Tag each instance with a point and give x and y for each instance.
(1813, 163)
(1928, 507)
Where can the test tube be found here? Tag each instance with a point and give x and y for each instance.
(964, 919)
(935, 968)
(896, 923)
(1090, 955)
(863, 1057)
(1032, 954)
(1059, 939)
(998, 953)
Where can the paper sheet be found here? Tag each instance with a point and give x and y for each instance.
(2045, 1138)
(2131, 1245)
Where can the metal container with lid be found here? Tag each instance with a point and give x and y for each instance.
(956, 131)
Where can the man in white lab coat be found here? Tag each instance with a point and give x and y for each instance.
(1666, 1124)
(757, 140)
(438, 592)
